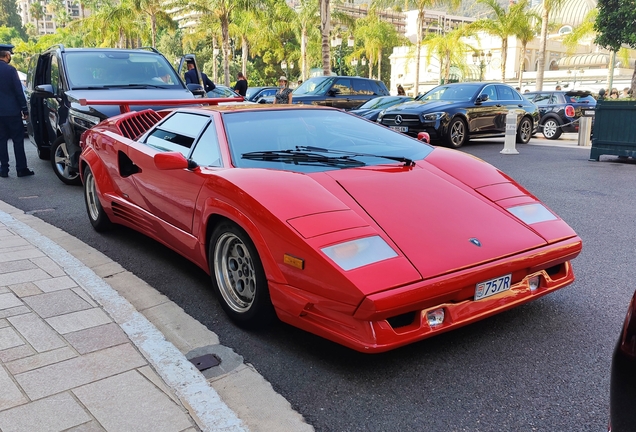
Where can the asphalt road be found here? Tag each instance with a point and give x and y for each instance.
(541, 367)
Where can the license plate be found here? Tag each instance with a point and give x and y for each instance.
(400, 128)
(492, 287)
(588, 113)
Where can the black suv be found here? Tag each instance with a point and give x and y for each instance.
(338, 91)
(560, 110)
(60, 77)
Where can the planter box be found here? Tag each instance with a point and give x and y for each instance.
(614, 129)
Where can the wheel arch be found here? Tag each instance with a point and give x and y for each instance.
(549, 116)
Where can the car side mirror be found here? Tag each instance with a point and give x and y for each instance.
(171, 161)
(482, 98)
(424, 137)
(333, 92)
(196, 89)
(44, 91)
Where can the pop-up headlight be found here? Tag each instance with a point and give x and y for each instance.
(360, 252)
(532, 213)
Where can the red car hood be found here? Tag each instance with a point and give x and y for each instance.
(431, 219)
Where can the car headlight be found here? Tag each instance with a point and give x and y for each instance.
(83, 120)
(360, 252)
(432, 116)
(532, 213)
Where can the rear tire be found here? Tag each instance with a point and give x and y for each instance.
(238, 277)
(524, 131)
(61, 162)
(457, 134)
(552, 129)
(97, 216)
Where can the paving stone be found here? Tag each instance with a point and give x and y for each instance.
(56, 284)
(108, 269)
(49, 266)
(22, 276)
(79, 371)
(4, 313)
(81, 320)
(37, 332)
(4, 232)
(56, 303)
(129, 402)
(141, 295)
(9, 338)
(84, 295)
(87, 255)
(4, 323)
(151, 375)
(91, 426)
(52, 414)
(40, 360)
(10, 395)
(16, 254)
(13, 241)
(96, 338)
(25, 289)
(4, 290)
(9, 300)
(16, 353)
(14, 266)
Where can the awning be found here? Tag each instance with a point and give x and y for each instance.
(587, 60)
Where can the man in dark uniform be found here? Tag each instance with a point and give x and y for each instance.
(13, 110)
(191, 77)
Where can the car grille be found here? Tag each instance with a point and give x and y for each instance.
(406, 119)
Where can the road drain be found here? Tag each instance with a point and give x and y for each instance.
(206, 361)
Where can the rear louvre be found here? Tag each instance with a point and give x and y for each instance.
(135, 125)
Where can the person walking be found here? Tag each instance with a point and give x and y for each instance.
(241, 84)
(400, 90)
(191, 77)
(13, 110)
(284, 93)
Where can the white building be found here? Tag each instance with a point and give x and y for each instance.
(47, 24)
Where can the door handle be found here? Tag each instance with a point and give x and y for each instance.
(520, 106)
(498, 105)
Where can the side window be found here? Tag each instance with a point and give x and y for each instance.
(343, 85)
(54, 75)
(177, 133)
(505, 93)
(491, 92)
(363, 87)
(206, 151)
(542, 99)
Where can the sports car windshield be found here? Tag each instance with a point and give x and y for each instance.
(308, 140)
(461, 92)
(383, 102)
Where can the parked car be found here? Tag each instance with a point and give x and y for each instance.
(335, 224)
(623, 380)
(371, 109)
(560, 110)
(59, 77)
(254, 94)
(454, 113)
(343, 92)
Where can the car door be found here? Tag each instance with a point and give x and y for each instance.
(363, 90)
(340, 94)
(545, 102)
(482, 116)
(509, 100)
(170, 195)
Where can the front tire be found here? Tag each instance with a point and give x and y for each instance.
(552, 129)
(524, 131)
(61, 162)
(238, 277)
(97, 216)
(457, 134)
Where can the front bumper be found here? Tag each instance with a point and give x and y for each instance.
(397, 317)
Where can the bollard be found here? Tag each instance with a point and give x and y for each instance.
(511, 134)
(585, 129)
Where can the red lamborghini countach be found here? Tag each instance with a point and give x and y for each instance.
(332, 223)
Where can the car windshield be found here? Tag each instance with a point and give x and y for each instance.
(462, 92)
(119, 69)
(251, 91)
(222, 92)
(384, 102)
(314, 86)
(309, 140)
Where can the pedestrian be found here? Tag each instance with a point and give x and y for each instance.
(284, 93)
(400, 90)
(614, 93)
(241, 84)
(601, 94)
(191, 77)
(627, 93)
(558, 87)
(13, 110)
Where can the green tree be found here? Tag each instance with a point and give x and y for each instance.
(154, 10)
(9, 16)
(376, 35)
(450, 50)
(36, 10)
(548, 6)
(526, 30)
(307, 24)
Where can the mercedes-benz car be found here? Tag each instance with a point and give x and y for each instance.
(454, 113)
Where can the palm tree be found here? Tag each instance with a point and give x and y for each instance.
(420, 6)
(547, 7)
(375, 35)
(325, 30)
(154, 9)
(307, 21)
(450, 50)
(527, 28)
(36, 10)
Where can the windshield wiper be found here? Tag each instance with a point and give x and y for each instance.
(405, 160)
(91, 88)
(301, 157)
(134, 86)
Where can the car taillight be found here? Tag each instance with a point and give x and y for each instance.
(628, 338)
(569, 111)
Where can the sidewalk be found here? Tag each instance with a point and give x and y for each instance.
(76, 355)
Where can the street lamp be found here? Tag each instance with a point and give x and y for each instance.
(337, 41)
(363, 61)
(576, 72)
(286, 67)
(482, 60)
(354, 63)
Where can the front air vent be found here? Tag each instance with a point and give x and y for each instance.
(135, 125)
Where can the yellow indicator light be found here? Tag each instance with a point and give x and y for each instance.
(293, 261)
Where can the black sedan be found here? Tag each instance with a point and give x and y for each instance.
(560, 110)
(623, 381)
(371, 109)
(254, 94)
(455, 113)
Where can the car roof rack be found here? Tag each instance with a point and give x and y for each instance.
(149, 48)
